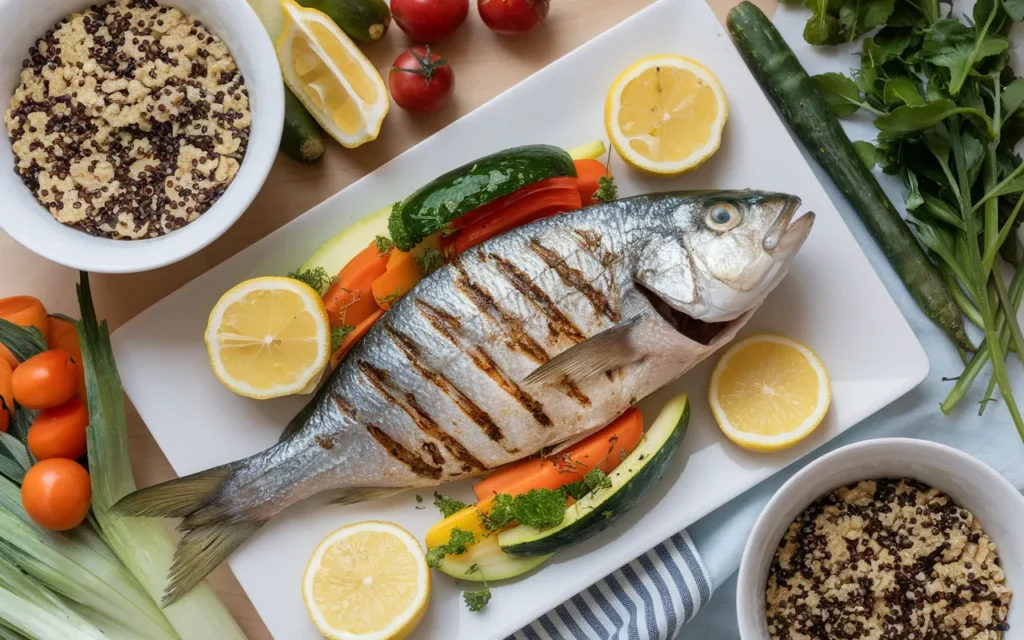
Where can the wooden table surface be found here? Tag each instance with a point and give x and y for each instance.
(483, 71)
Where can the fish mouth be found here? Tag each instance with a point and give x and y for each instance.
(785, 235)
(696, 330)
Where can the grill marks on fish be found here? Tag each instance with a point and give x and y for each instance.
(382, 382)
(516, 338)
(558, 323)
(397, 451)
(413, 353)
(591, 242)
(570, 389)
(447, 325)
(575, 279)
(433, 451)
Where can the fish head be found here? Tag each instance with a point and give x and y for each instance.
(715, 255)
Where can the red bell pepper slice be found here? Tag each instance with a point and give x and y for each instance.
(523, 211)
(471, 217)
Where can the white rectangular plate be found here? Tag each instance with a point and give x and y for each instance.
(832, 300)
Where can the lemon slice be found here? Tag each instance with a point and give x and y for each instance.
(769, 392)
(268, 337)
(665, 114)
(331, 76)
(367, 581)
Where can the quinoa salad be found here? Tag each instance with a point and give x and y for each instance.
(130, 120)
(886, 560)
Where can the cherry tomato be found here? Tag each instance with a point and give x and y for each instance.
(513, 17)
(6, 396)
(46, 380)
(60, 432)
(420, 80)
(64, 335)
(429, 21)
(56, 494)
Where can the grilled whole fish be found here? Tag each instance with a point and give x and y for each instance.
(531, 339)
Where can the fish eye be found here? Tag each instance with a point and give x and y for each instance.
(722, 216)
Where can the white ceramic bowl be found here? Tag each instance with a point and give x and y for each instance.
(971, 483)
(25, 220)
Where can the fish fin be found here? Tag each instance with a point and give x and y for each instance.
(607, 350)
(298, 421)
(362, 494)
(200, 551)
(175, 498)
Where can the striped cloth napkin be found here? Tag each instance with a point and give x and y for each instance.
(653, 596)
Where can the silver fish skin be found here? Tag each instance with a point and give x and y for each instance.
(435, 391)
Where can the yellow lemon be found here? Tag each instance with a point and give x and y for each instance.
(769, 392)
(331, 76)
(665, 114)
(367, 581)
(268, 337)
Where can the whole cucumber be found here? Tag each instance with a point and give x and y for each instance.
(364, 21)
(776, 67)
(302, 138)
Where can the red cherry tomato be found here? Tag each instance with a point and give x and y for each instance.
(420, 80)
(56, 494)
(60, 432)
(46, 380)
(429, 21)
(513, 17)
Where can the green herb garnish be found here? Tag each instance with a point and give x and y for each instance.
(419, 498)
(384, 245)
(338, 335)
(576, 490)
(447, 505)
(456, 545)
(538, 508)
(477, 600)
(391, 297)
(430, 260)
(597, 480)
(317, 278)
(606, 189)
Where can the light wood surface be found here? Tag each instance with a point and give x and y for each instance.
(485, 65)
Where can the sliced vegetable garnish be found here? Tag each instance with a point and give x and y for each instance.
(589, 174)
(355, 336)
(531, 208)
(349, 301)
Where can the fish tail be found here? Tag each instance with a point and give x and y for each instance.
(210, 535)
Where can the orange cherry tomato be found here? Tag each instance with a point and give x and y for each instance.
(6, 396)
(56, 494)
(60, 432)
(46, 380)
(24, 311)
(64, 335)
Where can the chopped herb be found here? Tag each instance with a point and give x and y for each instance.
(447, 505)
(430, 261)
(338, 335)
(384, 245)
(477, 600)
(606, 189)
(622, 455)
(317, 278)
(576, 490)
(456, 545)
(472, 569)
(419, 498)
(597, 480)
(538, 508)
(391, 297)
(607, 514)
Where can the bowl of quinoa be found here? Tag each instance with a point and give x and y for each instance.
(886, 539)
(136, 132)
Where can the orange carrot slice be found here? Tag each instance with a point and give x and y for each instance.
(402, 274)
(354, 336)
(349, 301)
(588, 174)
(24, 311)
(604, 449)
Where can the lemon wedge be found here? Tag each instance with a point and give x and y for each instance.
(268, 337)
(367, 581)
(665, 114)
(769, 392)
(331, 76)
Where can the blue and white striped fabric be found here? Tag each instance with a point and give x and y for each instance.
(649, 598)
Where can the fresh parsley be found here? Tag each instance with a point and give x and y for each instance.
(338, 335)
(457, 544)
(597, 480)
(576, 490)
(477, 600)
(430, 260)
(447, 505)
(538, 508)
(606, 189)
(317, 278)
(384, 245)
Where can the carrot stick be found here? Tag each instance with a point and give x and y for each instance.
(24, 311)
(604, 450)
(64, 335)
(349, 301)
(588, 174)
(354, 336)
(403, 273)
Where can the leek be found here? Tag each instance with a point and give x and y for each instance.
(142, 544)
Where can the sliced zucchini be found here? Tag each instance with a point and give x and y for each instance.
(596, 511)
(492, 563)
